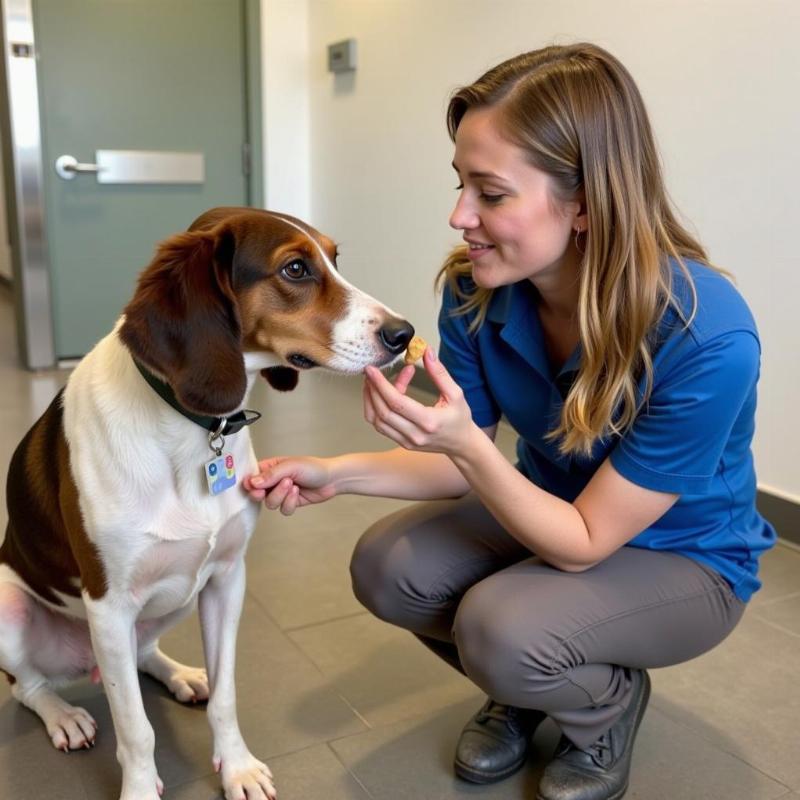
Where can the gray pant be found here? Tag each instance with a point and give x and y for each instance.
(531, 635)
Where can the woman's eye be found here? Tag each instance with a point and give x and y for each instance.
(459, 187)
(491, 198)
(296, 270)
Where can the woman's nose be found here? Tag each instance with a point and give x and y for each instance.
(463, 217)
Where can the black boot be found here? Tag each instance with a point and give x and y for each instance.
(601, 770)
(495, 742)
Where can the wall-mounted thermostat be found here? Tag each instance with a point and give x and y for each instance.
(342, 56)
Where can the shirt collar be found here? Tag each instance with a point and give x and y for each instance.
(514, 308)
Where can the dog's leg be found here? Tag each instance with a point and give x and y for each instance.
(188, 684)
(220, 608)
(112, 622)
(25, 629)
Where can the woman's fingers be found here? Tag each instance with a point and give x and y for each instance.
(277, 494)
(395, 401)
(404, 377)
(369, 408)
(289, 505)
(441, 378)
(388, 423)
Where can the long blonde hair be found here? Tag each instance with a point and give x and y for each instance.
(578, 115)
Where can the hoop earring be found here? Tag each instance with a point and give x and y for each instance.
(581, 250)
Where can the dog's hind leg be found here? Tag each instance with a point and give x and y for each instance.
(188, 684)
(34, 649)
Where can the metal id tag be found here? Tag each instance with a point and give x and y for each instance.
(220, 473)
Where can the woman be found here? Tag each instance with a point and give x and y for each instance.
(626, 537)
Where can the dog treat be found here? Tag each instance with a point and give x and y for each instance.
(416, 347)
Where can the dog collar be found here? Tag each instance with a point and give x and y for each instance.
(216, 426)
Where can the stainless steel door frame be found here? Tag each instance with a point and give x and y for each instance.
(24, 186)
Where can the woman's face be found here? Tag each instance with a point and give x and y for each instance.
(512, 223)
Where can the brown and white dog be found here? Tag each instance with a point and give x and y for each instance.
(114, 533)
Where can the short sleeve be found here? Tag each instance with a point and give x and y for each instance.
(460, 355)
(677, 441)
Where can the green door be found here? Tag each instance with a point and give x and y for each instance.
(160, 78)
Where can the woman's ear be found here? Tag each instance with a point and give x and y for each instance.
(576, 209)
(183, 321)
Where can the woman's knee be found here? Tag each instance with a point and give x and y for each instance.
(496, 648)
(381, 565)
(408, 569)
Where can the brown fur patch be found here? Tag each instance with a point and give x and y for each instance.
(278, 315)
(46, 542)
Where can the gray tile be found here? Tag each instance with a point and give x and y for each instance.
(284, 703)
(312, 774)
(779, 571)
(382, 671)
(315, 774)
(299, 566)
(30, 767)
(673, 761)
(783, 612)
(742, 697)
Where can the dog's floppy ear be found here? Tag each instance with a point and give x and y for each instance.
(183, 321)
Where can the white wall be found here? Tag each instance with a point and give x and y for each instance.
(720, 80)
(285, 70)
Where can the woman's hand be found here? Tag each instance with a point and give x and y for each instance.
(291, 483)
(445, 427)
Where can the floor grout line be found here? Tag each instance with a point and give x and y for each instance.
(714, 744)
(349, 771)
(308, 625)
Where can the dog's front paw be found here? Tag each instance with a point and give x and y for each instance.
(188, 684)
(71, 728)
(246, 778)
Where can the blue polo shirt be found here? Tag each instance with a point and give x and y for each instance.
(692, 438)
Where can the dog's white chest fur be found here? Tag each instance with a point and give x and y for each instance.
(160, 532)
(169, 573)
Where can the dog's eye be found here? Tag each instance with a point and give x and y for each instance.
(296, 270)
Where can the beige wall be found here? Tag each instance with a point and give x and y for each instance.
(720, 80)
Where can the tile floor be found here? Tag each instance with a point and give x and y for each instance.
(344, 707)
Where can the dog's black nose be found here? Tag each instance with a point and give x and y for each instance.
(395, 335)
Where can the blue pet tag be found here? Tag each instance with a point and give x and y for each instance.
(220, 473)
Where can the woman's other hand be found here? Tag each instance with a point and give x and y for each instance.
(291, 483)
(445, 427)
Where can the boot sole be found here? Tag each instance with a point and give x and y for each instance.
(476, 776)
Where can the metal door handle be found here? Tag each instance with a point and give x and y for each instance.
(68, 167)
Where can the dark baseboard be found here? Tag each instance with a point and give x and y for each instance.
(783, 514)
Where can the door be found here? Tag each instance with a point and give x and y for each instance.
(156, 90)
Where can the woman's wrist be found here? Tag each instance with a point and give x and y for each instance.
(472, 451)
(348, 473)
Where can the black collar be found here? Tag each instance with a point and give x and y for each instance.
(215, 425)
